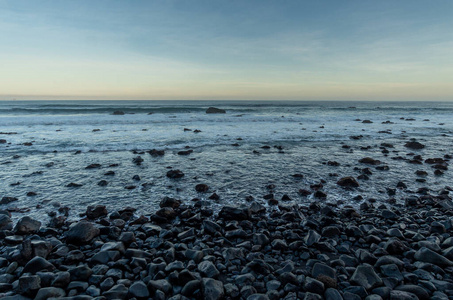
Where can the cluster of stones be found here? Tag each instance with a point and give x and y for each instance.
(186, 252)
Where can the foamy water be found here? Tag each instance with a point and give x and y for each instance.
(310, 134)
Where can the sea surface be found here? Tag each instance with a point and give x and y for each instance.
(67, 136)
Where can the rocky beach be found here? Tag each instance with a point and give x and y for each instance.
(184, 251)
(249, 202)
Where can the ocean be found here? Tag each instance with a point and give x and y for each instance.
(254, 149)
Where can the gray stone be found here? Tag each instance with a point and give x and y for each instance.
(323, 269)
(401, 295)
(426, 255)
(365, 276)
(258, 297)
(388, 214)
(103, 257)
(161, 285)
(80, 273)
(61, 280)
(82, 233)
(190, 287)
(208, 269)
(5, 222)
(420, 292)
(312, 237)
(373, 297)
(139, 290)
(79, 286)
(107, 284)
(118, 291)
(212, 289)
(28, 285)
(231, 290)
(330, 231)
(314, 286)
(387, 260)
(392, 271)
(332, 294)
(194, 255)
(38, 264)
(49, 292)
(27, 225)
(260, 239)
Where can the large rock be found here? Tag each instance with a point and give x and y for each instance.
(365, 276)
(170, 202)
(414, 145)
(94, 212)
(420, 292)
(6, 200)
(348, 182)
(213, 110)
(212, 289)
(174, 174)
(38, 264)
(82, 233)
(208, 269)
(27, 225)
(50, 292)
(139, 290)
(426, 255)
(118, 291)
(5, 222)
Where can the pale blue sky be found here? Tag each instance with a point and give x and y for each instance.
(307, 50)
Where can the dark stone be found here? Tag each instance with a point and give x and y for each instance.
(212, 289)
(366, 277)
(81, 233)
(93, 166)
(170, 202)
(139, 290)
(118, 291)
(420, 292)
(234, 213)
(201, 188)
(38, 264)
(6, 200)
(155, 152)
(414, 145)
(94, 212)
(213, 110)
(49, 292)
(208, 269)
(174, 174)
(427, 255)
(348, 182)
(5, 222)
(369, 161)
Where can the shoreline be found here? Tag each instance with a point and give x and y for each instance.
(184, 251)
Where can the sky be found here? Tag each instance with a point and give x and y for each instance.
(231, 50)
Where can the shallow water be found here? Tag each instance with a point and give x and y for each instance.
(58, 129)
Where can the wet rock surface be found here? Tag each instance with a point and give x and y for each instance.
(184, 251)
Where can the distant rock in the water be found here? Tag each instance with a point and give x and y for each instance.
(118, 113)
(213, 110)
(414, 145)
